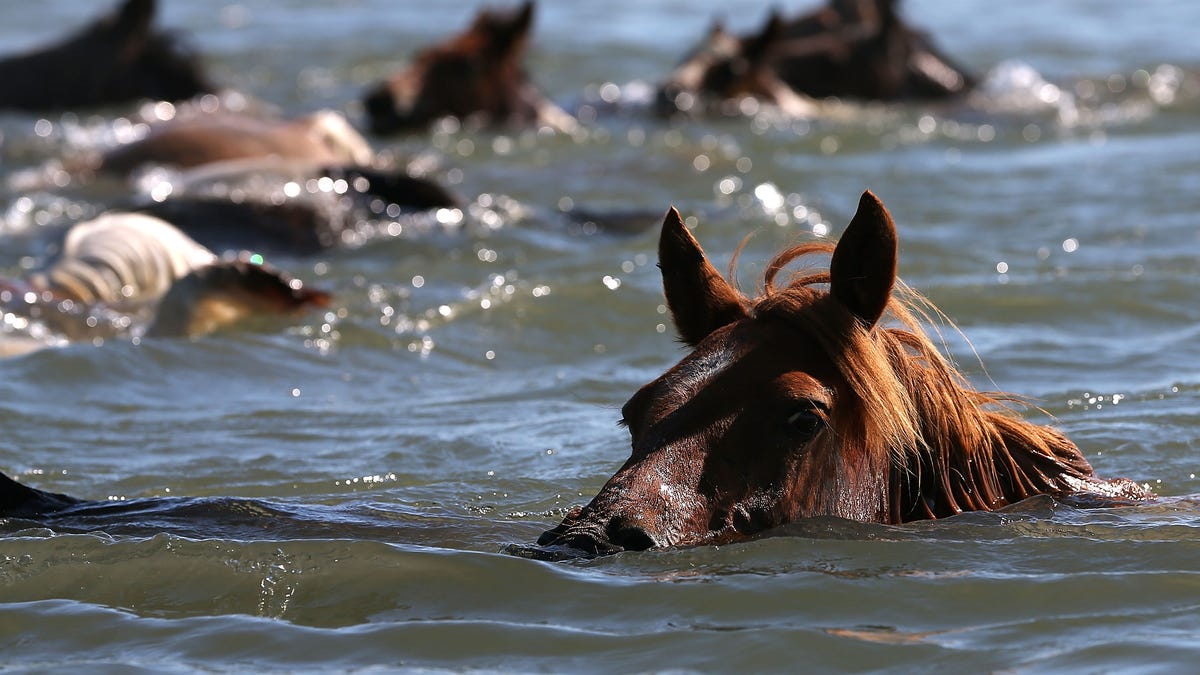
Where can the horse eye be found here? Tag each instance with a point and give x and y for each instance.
(807, 422)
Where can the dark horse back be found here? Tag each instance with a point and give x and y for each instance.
(21, 501)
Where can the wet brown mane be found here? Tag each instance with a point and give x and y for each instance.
(951, 448)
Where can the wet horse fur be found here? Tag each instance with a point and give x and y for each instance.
(820, 397)
(475, 76)
(119, 58)
(854, 49)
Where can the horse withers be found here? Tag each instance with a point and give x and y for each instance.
(820, 397)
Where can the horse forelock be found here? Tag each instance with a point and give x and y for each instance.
(902, 405)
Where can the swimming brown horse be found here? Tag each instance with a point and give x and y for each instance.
(117, 59)
(475, 76)
(820, 397)
(855, 49)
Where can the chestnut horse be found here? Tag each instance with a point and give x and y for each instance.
(802, 402)
(118, 59)
(476, 75)
(856, 49)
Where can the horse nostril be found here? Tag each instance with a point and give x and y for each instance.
(629, 537)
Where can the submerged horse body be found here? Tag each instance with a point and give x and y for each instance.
(322, 138)
(475, 76)
(119, 58)
(854, 49)
(820, 397)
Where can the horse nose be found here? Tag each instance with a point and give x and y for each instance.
(629, 536)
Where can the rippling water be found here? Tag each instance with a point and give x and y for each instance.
(463, 391)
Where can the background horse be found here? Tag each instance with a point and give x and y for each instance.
(117, 59)
(135, 264)
(802, 403)
(324, 137)
(857, 49)
(475, 75)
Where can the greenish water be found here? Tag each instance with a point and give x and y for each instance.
(463, 391)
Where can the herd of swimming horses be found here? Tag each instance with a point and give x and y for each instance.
(821, 396)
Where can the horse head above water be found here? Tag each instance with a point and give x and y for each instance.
(474, 75)
(819, 397)
(856, 49)
(119, 58)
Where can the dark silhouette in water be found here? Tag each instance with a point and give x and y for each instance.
(855, 49)
(475, 76)
(119, 58)
(802, 402)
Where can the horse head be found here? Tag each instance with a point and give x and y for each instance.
(820, 397)
(855, 49)
(477, 73)
(724, 69)
(118, 58)
(222, 293)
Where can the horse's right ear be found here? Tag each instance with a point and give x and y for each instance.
(717, 28)
(508, 34)
(759, 47)
(699, 298)
(863, 269)
(136, 16)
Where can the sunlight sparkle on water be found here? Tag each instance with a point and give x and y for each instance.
(769, 196)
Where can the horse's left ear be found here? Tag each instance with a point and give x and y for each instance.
(863, 269)
(700, 299)
(508, 34)
(758, 48)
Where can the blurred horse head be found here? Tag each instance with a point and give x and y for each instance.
(119, 58)
(855, 49)
(476, 75)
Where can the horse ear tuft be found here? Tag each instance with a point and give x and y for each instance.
(699, 298)
(863, 269)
